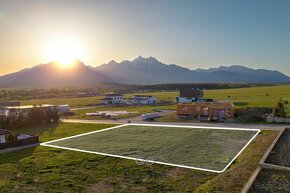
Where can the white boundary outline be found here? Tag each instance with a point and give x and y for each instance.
(152, 161)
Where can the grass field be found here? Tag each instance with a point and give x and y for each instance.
(43, 169)
(242, 97)
(255, 96)
(210, 149)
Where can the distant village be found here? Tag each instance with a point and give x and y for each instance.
(190, 105)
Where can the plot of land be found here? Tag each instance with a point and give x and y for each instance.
(209, 149)
(42, 169)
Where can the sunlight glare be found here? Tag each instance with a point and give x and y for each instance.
(64, 51)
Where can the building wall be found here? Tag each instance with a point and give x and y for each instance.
(115, 100)
(150, 100)
(220, 110)
(185, 99)
(118, 99)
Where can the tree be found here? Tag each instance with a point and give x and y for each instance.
(52, 115)
(279, 108)
(35, 116)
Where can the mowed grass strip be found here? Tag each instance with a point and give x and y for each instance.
(211, 149)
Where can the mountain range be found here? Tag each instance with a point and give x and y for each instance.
(138, 71)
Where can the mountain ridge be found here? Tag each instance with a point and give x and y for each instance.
(178, 74)
(138, 71)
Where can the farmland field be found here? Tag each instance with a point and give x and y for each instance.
(265, 96)
(43, 169)
(254, 96)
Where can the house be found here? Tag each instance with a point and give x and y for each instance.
(143, 100)
(112, 99)
(25, 109)
(190, 95)
(218, 109)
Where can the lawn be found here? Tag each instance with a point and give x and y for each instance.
(44, 169)
(209, 149)
(265, 96)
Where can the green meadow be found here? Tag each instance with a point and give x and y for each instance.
(255, 96)
(265, 96)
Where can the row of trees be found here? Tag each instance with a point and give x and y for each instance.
(35, 116)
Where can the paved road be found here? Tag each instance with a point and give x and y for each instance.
(231, 125)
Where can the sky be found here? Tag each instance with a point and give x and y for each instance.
(193, 34)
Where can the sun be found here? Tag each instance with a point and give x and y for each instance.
(64, 51)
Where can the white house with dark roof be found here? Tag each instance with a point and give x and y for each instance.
(188, 95)
(143, 100)
(112, 99)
